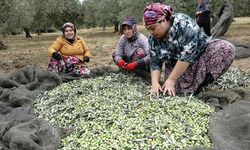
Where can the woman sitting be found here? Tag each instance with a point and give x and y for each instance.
(132, 54)
(69, 53)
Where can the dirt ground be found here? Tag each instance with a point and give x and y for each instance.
(22, 51)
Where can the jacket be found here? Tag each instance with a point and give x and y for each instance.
(127, 49)
(78, 48)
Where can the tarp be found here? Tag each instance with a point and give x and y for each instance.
(19, 128)
(229, 126)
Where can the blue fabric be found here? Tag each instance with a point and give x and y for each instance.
(202, 7)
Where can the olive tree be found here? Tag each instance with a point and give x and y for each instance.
(15, 16)
(52, 14)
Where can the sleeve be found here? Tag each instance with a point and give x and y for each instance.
(189, 38)
(145, 47)
(155, 61)
(56, 46)
(206, 9)
(118, 53)
(85, 48)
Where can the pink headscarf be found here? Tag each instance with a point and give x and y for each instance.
(155, 12)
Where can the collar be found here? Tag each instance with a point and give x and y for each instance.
(133, 38)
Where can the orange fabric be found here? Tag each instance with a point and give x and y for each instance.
(78, 48)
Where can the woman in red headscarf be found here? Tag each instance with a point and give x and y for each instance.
(68, 53)
(132, 54)
(192, 59)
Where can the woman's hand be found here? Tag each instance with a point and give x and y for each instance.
(156, 89)
(198, 13)
(86, 59)
(169, 86)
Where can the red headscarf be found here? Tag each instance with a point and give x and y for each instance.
(155, 12)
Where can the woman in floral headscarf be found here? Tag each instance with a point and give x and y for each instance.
(132, 54)
(192, 59)
(69, 53)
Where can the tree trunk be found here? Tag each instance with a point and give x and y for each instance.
(2, 46)
(116, 26)
(39, 33)
(223, 20)
(104, 27)
(27, 32)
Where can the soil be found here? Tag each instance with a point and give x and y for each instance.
(23, 51)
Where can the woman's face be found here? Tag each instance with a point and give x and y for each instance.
(199, 1)
(159, 29)
(128, 31)
(69, 33)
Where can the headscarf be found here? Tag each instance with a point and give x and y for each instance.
(130, 21)
(71, 25)
(68, 24)
(155, 12)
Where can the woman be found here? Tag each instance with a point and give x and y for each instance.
(202, 16)
(192, 59)
(69, 53)
(132, 53)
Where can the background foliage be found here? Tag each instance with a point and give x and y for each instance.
(42, 15)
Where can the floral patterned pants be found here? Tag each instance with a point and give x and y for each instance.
(217, 58)
(70, 65)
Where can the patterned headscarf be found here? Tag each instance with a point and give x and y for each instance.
(68, 24)
(130, 21)
(155, 12)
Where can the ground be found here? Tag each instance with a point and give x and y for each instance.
(23, 51)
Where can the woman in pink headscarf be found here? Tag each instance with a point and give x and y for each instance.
(192, 59)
